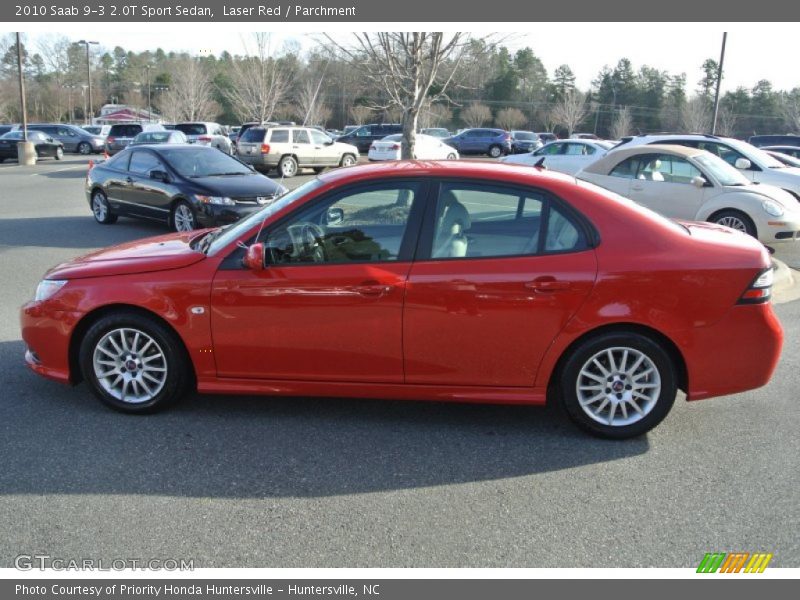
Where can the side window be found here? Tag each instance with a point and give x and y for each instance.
(300, 136)
(550, 150)
(279, 136)
(144, 162)
(562, 234)
(362, 131)
(318, 137)
(365, 225)
(726, 153)
(626, 169)
(667, 168)
(578, 149)
(475, 220)
(64, 132)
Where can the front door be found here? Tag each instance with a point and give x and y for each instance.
(329, 305)
(664, 183)
(503, 270)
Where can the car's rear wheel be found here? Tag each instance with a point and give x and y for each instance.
(348, 160)
(618, 385)
(84, 148)
(133, 363)
(59, 153)
(101, 209)
(495, 151)
(287, 167)
(735, 219)
(183, 217)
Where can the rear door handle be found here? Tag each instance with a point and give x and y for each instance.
(372, 289)
(548, 286)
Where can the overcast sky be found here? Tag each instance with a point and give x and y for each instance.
(754, 51)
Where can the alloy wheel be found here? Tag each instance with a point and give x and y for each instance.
(184, 219)
(130, 365)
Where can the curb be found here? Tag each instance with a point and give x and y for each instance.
(786, 286)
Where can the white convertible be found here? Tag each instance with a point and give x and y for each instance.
(426, 148)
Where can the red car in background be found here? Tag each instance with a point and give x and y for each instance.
(472, 282)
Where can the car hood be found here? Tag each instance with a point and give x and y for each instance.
(172, 251)
(237, 186)
(342, 147)
(789, 176)
(770, 192)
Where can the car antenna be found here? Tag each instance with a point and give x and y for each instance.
(540, 164)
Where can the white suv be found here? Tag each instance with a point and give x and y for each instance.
(288, 149)
(755, 164)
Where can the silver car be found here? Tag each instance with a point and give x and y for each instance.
(122, 134)
(72, 137)
(206, 134)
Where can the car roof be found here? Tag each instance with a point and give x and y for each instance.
(603, 165)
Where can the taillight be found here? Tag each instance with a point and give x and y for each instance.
(395, 147)
(760, 290)
(508, 136)
(204, 138)
(264, 148)
(110, 140)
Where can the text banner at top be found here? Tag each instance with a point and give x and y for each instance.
(389, 11)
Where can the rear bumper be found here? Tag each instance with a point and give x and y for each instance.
(738, 353)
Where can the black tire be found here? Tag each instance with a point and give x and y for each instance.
(318, 170)
(59, 153)
(348, 160)
(495, 151)
(178, 375)
(101, 209)
(2, 159)
(183, 213)
(735, 219)
(582, 357)
(84, 148)
(452, 156)
(287, 167)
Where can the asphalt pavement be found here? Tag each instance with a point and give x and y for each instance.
(265, 482)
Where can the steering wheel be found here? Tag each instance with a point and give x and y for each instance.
(307, 240)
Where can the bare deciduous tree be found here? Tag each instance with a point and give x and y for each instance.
(259, 82)
(405, 66)
(510, 118)
(571, 110)
(696, 116)
(790, 109)
(311, 109)
(726, 122)
(476, 114)
(435, 115)
(360, 114)
(622, 124)
(192, 91)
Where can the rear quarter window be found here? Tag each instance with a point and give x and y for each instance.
(279, 136)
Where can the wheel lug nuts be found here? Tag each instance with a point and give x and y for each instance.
(628, 387)
(619, 396)
(608, 390)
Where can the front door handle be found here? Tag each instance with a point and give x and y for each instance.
(372, 289)
(547, 285)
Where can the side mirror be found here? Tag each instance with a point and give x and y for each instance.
(329, 142)
(159, 175)
(742, 164)
(334, 216)
(51, 140)
(254, 257)
(699, 181)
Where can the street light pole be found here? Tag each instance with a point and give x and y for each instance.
(23, 105)
(149, 105)
(89, 76)
(719, 82)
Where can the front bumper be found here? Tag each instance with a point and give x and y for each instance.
(46, 332)
(213, 215)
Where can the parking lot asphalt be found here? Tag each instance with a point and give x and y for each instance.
(264, 482)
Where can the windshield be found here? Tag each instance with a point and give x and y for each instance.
(231, 232)
(751, 152)
(196, 162)
(720, 170)
(525, 135)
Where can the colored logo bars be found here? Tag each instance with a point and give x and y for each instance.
(734, 562)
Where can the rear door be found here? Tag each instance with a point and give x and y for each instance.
(499, 272)
(302, 147)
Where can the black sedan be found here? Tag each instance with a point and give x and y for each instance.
(188, 187)
(45, 146)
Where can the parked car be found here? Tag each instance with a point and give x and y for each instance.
(186, 186)
(494, 142)
(774, 140)
(44, 144)
(786, 159)
(122, 134)
(756, 164)
(288, 149)
(790, 150)
(426, 148)
(687, 183)
(566, 156)
(4, 129)
(513, 285)
(99, 130)
(74, 139)
(547, 137)
(160, 137)
(437, 132)
(524, 141)
(585, 136)
(206, 134)
(363, 137)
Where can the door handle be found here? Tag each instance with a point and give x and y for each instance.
(372, 289)
(548, 285)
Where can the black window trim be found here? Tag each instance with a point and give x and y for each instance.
(424, 247)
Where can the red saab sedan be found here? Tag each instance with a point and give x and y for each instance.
(471, 282)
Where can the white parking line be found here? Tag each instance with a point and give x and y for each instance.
(58, 170)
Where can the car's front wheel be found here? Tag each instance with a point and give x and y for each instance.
(735, 220)
(134, 363)
(59, 153)
(495, 151)
(348, 160)
(618, 385)
(101, 210)
(183, 217)
(84, 148)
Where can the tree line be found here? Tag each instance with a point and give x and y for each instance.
(483, 83)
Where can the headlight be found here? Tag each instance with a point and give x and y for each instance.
(772, 208)
(221, 200)
(46, 288)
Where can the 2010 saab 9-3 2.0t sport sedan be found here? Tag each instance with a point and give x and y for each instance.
(421, 280)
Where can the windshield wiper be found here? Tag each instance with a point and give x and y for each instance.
(224, 174)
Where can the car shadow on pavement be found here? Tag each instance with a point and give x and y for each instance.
(76, 172)
(58, 439)
(74, 232)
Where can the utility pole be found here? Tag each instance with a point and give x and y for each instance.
(26, 152)
(89, 77)
(149, 104)
(719, 82)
